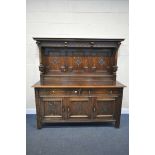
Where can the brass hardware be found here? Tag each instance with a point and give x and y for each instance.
(94, 109)
(63, 68)
(52, 92)
(66, 44)
(92, 44)
(77, 91)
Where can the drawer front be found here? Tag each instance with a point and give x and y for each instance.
(52, 92)
(64, 92)
(53, 108)
(105, 91)
(79, 44)
(83, 92)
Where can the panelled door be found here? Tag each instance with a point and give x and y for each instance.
(80, 107)
(104, 108)
(53, 108)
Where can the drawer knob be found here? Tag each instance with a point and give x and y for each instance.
(92, 44)
(66, 44)
(64, 68)
(75, 91)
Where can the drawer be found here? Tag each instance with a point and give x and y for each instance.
(52, 92)
(64, 92)
(78, 91)
(67, 92)
(105, 91)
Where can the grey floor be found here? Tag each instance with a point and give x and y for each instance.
(85, 139)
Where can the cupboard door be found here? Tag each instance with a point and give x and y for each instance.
(104, 108)
(53, 108)
(79, 108)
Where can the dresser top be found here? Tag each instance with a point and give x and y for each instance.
(78, 85)
(79, 39)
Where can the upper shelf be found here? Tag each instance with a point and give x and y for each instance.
(79, 42)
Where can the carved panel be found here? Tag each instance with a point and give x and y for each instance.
(53, 107)
(79, 108)
(101, 61)
(78, 61)
(104, 107)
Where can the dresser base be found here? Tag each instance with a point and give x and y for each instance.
(79, 104)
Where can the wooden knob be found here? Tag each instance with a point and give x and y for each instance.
(66, 44)
(92, 44)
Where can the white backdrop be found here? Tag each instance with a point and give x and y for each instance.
(76, 18)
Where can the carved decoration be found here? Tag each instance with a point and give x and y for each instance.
(55, 61)
(41, 68)
(115, 68)
(78, 61)
(101, 61)
(51, 108)
(38, 43)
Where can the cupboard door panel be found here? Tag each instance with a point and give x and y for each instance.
(104, 107)
(79, 108)
(53, 108)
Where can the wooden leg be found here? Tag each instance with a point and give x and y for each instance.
(117, 124)
(118, 109)
(38, 117)
(39, 124)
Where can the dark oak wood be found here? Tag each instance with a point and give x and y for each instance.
(78, 81)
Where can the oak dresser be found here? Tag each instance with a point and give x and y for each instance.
(78, 81)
